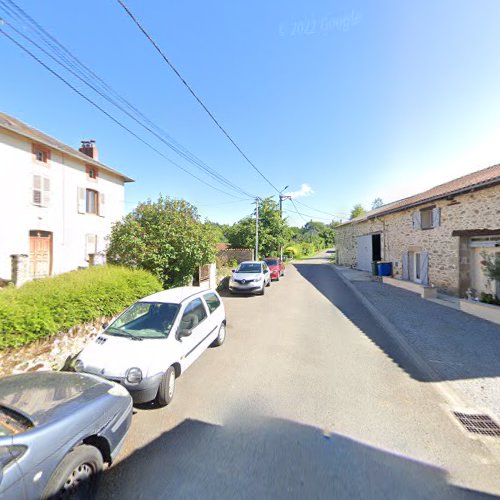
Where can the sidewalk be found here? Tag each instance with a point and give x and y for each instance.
(451, 346)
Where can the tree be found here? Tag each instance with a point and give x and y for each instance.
(377, 203)
(273, 230)
(357, 210)
(166, 238)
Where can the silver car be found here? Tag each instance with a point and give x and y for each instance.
(56, 431)
(251, 276)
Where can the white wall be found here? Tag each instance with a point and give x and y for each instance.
(18, 215)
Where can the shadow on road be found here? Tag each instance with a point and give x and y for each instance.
(325, 280)
(270, 458)
(456, 345)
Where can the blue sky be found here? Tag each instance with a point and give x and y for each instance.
(355, 100)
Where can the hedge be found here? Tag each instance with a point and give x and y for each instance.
(42, 308)
(301, 250)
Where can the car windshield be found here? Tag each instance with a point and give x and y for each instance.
(249, 268)
(271, 262)
(150, 320)
(12, 422)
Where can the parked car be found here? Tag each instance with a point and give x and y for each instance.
(56, 430)
(250, 277)
(155, 340)
(276, 267)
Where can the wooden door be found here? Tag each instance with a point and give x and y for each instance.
(40, 254)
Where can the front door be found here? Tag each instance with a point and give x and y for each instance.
(364, 252)
(40, 254)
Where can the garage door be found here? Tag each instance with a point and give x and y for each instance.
(364, 252)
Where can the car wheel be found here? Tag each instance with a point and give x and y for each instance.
(166, 389)
(278, 278)
(269, 282)
(263, 291)
(221, 337)
(77, 476)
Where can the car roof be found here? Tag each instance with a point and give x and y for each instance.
(175, 295)
(250, 262)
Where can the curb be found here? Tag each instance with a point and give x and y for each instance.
(446, 390)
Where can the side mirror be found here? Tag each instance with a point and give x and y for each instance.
(185, 332)
(233, 270)
(105, 325)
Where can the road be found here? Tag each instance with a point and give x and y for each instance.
(308, 398)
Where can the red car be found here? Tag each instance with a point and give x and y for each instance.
(276, 267)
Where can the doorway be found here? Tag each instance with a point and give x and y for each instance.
(376, 248)
(40, 254)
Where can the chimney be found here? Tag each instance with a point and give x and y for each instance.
(90, 149)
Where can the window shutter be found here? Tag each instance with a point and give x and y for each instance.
(102, 206)
(37, 189)
(417, 220)
(90, 245)
(436, 217)
(406, 271)
(81, 200)
(46, 192)
(424, 267)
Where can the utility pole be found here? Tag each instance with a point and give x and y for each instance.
(282, 197)
(256, 228)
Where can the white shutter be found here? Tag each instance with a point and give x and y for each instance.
(37, 189)
(424, 268)
(46, 192)
(404, 264)
(417, 220)
(102, 206)
(436, 217)
(90, 245)
(81, 200)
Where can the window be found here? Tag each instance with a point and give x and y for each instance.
(148, 320)
(41, 154)
(92, 172)
(212, 301)
(193, 315)
(41, 191)
(91, 202)
(426, 218)
(249, 267)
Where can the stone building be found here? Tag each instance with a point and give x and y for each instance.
(438, 237)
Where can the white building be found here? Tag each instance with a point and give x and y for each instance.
(57, 204)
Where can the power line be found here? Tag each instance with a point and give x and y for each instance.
(76, 71)
(185, 83)
(90, 101)
(322, 211)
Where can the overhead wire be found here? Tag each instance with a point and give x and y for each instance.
(338, 214)
(193, 93)
(76, 71)
(117, 122)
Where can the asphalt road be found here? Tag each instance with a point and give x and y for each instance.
(308, 398)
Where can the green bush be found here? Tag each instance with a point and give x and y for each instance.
(42, 308)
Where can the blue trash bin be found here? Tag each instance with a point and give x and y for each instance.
(384, 268)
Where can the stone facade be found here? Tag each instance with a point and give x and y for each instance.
(51, 353)
(448, 255)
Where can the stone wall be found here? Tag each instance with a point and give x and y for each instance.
(51, 353)
(474, 210)
(239, 254)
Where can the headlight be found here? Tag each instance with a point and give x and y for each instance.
(258, 278)
(134, 375)
(79, 366)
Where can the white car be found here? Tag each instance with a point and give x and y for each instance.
(251, 276)
(151, 343)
